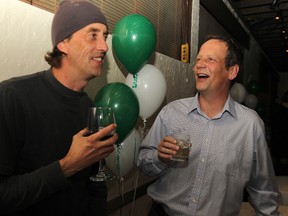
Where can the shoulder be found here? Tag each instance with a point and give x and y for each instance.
(178, 107)
(21, 79)
(183, 103)
(247, 115)
(21, 82)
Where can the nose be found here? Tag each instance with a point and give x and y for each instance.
(102, 45)
(200, 63)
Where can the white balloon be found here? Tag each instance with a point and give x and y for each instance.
(124, 157)
(238, 92)
(150, 90)
(251, 101)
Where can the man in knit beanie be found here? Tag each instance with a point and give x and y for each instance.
(46, 154)
(72, 16)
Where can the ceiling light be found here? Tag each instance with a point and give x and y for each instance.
(278, 15)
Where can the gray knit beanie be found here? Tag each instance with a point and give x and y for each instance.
(73, 15)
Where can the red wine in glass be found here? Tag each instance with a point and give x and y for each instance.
(98, 118)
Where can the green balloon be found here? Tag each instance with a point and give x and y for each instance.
(124, 102)
(253, 87)
(133, 41)
(261, 110)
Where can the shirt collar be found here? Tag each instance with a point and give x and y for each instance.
(229, 106)
(194, 104)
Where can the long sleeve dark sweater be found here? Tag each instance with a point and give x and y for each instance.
(38, 118)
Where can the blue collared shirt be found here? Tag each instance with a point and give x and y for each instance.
(229, 153)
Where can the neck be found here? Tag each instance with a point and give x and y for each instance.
(212, 105)
(69, 79)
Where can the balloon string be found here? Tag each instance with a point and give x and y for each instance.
(134, 196)
(135, 78)
(121, 189)
(143, 129)
(135, 149)
(118, 149)
(121, 192)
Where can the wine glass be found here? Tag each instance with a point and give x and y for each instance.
(98, 118)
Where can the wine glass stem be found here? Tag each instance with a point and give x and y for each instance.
(101, 165)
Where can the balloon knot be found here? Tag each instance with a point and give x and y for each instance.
(135, 77)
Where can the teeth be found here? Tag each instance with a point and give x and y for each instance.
(202, 75)
(98, 59)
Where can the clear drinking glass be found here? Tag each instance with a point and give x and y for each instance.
(98, 118)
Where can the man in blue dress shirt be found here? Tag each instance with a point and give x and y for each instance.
(229, 152)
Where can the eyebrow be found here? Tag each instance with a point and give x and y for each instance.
(93, 29)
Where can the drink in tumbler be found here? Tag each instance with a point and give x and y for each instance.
(183, 141)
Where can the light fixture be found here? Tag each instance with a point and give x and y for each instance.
(278, 15)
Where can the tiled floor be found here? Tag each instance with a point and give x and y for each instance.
(247, 210)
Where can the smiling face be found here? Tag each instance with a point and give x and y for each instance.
(85, 50)
(211, 74)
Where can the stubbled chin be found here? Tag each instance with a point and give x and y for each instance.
(201, 80)
(200, 85)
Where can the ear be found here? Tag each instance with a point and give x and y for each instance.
(62, 46)
(233, 72)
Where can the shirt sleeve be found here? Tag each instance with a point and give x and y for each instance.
(148, 160)
(21, 190)
(262, 187)
(17, 192)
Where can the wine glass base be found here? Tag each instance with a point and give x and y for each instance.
(101, 176)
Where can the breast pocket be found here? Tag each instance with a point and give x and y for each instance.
(228, 158)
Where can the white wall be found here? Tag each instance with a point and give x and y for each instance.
(24, 38)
